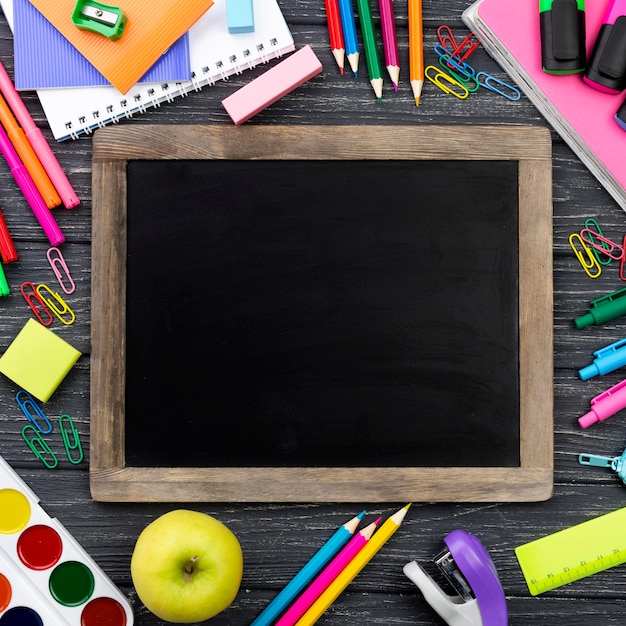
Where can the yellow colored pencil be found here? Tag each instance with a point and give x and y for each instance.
(332, 592)
(416, 49)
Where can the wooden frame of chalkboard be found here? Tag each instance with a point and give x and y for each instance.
(529, 476)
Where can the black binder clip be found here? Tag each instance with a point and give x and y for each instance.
(562, 27)
(99, 18)
(606, 70)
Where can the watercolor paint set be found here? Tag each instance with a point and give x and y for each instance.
(46, 577)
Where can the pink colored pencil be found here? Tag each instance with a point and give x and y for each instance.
(332, 570)
(390, 42)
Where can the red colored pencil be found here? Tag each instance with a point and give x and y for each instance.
(335, 32)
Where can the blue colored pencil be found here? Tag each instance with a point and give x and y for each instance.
(348, 23)
(306, 574)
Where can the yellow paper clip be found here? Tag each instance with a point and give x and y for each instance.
(37, 305)
(63, 274)
(40, 447)
(51, 305)
(593, 262)
(440, 74)
(72, 443)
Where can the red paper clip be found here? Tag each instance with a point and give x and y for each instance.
(622, 262)
(460, 51)
(36, 303)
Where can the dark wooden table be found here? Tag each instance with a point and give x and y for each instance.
(277, 539)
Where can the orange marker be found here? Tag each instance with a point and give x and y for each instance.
(28, 156)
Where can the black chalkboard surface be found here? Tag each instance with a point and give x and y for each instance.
(324, 314)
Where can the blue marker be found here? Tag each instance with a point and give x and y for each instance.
(306, 574)
(607, 360)
(348, 23)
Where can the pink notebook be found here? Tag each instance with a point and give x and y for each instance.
(583, 116)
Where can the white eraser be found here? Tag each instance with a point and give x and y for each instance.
(272, 85)
(240, 16)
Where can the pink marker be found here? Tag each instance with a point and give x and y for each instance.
(272, 85)
(605, 405)
(332, 570)
(31, 193)
(38, 141)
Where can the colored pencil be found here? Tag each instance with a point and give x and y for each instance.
(332, 592)
(335, 32)
(390, 41)
(351, 41)
(38, 141)
(28, 157)
(416, 49)
(370, 45)
(31, 193)
(336, 566)
(306, 574)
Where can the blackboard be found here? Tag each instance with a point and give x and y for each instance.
(298, 321)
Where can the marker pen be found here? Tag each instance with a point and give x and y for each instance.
(605, 405)
(606, 69)
(607, 359)
(604, 309)
(562, 28)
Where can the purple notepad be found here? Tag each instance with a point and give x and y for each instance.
(44, 58)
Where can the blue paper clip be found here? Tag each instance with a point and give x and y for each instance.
(465, 80)
(616, 463)
(454, 63)
(73, 443)
(56, 260)
(498, 86)
(33, 412)
(440, 74)
(39, 447)
(37, 305)
(59, 312)
(593, 261)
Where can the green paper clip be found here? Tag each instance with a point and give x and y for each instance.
(39, 447)
(73, 443)
(99, 18)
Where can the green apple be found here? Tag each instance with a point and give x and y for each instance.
(186, 566)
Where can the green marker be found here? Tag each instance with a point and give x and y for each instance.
(4, 285)
(604, 309)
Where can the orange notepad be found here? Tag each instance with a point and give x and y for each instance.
(152, 27)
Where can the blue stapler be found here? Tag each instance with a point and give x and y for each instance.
(466, 566)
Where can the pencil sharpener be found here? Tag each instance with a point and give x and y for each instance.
(465, 569)
(99, 18)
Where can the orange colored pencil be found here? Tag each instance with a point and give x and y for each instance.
(416, 49)
(28, 156)
(335, 32)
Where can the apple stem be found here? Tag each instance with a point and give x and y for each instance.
(189, 567)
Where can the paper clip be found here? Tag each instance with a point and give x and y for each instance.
(35, 302)
(73, 443)
(593, 262)
(56, 260)
(622, 273)
(33, 412)
(495, 84)
(605, 246)
(589, 223)
(469, 75)
(446, 37)
(448, 41)
(440, 74)
(50, 304)
(453, 63)
(40, 447)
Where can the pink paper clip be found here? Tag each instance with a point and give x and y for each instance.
(622, 262)
(57, 261)
(35, 302)
(611, 249)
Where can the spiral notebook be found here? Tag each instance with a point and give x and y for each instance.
(215, 55)
(583, 116)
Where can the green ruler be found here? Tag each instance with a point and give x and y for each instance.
(574, 553)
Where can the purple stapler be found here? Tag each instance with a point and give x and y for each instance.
(466, 566)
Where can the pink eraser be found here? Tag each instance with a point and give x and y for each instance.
(272, 85)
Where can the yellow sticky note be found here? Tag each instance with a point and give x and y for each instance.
(38, 360)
